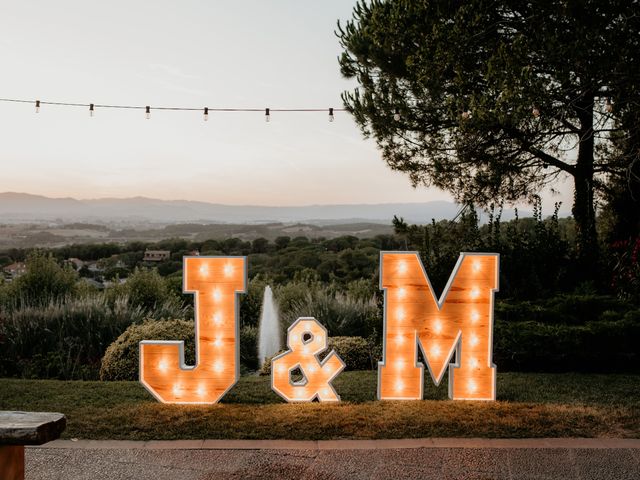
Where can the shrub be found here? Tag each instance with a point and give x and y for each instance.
(342, 315)
(66, 338)
(43, 282)
(356, 352)
(249, 348)
(121, 360)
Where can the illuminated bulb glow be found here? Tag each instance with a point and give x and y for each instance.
(471, 386)
(216, 371)
(162, 366)
(399, 385)
(435, 351)
(317, 375)
(217, 295)
(437, 326)
(228, 270)
(440, 327)
(400, 364)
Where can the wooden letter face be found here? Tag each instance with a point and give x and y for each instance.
(460, 322)
(306, 339)
(216, 283)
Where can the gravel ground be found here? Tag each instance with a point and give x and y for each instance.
(380, 463)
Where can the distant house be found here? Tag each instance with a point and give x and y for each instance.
(93, 267)
(15, 269)
(76, 263)
(156, 255)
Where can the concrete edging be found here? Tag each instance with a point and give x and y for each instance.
(562, 443)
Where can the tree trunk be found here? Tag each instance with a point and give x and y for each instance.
(583, 205)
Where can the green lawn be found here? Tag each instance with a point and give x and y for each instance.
(529, 405)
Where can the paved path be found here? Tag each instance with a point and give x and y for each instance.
(468, 459)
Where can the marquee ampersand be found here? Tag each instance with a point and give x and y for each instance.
(306, 339)
(216, 283)
(460, 322)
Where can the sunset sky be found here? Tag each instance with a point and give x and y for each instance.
(190, 53)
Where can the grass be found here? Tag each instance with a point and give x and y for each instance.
(529, 405)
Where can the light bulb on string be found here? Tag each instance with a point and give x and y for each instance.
(608, 106)
(331, 114)
(147, 112)
(267, 115)
(37, 106)
(91, 110)
(206, 113)
(535, 111)
(396, 115)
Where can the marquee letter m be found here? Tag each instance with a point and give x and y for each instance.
(460, 322)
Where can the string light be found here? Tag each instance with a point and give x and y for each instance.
(535, 111)
(608, 106)
(396, 115)
(147, 108)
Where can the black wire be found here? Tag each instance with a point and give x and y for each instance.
(186, 109)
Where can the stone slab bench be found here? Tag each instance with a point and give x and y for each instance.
(18, 429)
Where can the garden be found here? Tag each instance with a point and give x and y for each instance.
(565, 347)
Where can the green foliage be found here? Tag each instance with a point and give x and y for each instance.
(121, 360)
(588, 333)
(146, 288)
(356, 352)
(486, 95)
(44, 281)
(249, 348)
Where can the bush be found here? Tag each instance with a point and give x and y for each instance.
(600, 346)
(356, 352)
(121, 360)
(249, 348)
(43, 282)
(342, 315)
(64, 339)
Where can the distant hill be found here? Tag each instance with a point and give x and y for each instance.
(23, 207)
